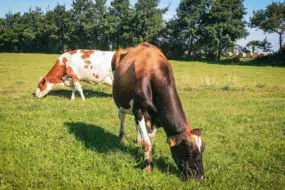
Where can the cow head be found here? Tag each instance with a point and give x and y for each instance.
(187, 151)
(44, 87)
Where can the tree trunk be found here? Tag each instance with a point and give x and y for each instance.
(219, 51)
(280, 42)
(190, 49)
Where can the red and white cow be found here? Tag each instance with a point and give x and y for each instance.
(92, 66)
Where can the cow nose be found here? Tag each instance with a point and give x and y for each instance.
(38, 93)
(199, 178)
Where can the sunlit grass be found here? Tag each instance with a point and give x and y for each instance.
(55, 143)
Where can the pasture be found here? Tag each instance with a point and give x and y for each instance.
(55, 143)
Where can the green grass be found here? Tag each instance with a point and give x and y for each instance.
(56, 143)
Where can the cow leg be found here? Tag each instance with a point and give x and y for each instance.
(108, 81)
(73, 90)
(122, 128)
(146, 143)
(139, 138)
(79, 88)
(152, 134)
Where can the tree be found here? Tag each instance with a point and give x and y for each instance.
(183, 30)
(264, 45)
(254, 45)
(11, 32)
(271, 20)
(57, 28)
(148, 22)
(33, 38)
(118, 24)
(83, 27)
(224, 24)
(100, 10)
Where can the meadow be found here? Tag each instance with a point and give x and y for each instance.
(55, 143)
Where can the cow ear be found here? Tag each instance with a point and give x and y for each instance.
(197, 132)
(43, 81)
(123, 55)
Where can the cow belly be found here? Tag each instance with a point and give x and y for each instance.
(90, 74)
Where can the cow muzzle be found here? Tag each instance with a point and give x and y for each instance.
(38, 93)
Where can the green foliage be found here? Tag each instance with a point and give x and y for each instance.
(205, 28)
(55, 143)
(83, 27)
(148, 21)
(264, 46)
(182, 32)
(226, 20)
(254, 45)
(57, 27)
(271, 20)
(117, 25)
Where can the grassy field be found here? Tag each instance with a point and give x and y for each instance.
(55, 143)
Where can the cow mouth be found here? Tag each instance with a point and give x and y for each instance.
(38, 93)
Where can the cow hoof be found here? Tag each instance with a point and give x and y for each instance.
(123, 139)
(147, 169)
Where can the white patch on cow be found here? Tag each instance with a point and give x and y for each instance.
(198, 141)
(143, 131)
(41, 94)
(146, 155)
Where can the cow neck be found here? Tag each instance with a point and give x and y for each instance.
(172, 115)
(56, 73)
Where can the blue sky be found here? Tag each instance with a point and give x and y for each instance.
(24, 5)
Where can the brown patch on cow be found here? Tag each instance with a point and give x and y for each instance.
(64, 60)
(145, 44)
(70, 73)
(73, 52)
(55, 74)
(147, 169)
(97, 76)
(88, 62)
(86, 66)
(146, 146)
(86, 53)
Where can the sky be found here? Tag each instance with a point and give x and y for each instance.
(250, 5)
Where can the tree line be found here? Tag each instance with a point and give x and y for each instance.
(201, 28)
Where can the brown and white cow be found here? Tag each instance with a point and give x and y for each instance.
(91, 66)
(144, 86)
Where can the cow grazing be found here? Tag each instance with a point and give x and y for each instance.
(91, 66)
(145, 87)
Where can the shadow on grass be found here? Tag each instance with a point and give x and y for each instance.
(87, 94)
(101, 141)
